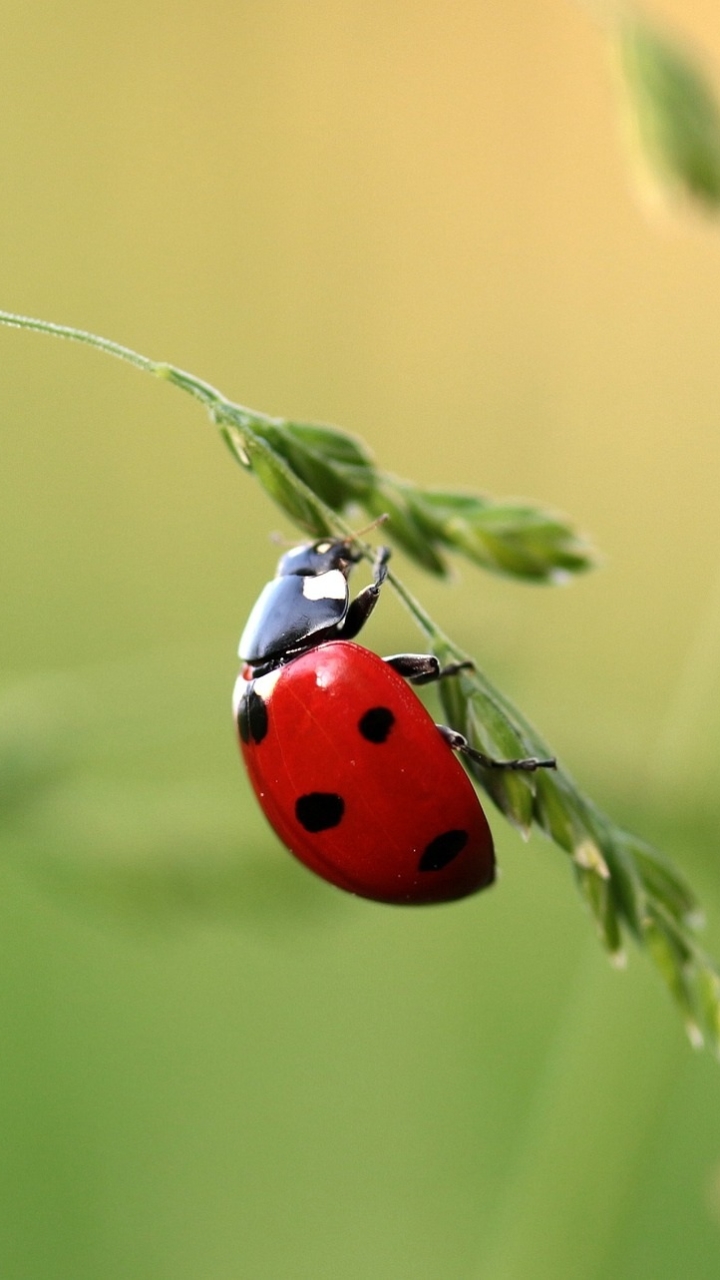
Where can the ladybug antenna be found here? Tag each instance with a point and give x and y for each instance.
(359, 533)
(279, 539)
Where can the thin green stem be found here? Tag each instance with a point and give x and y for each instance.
(422, 618)
(203, 391)
(80, 335)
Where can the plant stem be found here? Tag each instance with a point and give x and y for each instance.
(80, 335)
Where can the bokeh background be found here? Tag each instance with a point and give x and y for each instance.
(415, 220)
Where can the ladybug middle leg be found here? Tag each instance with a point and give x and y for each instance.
(423, 668)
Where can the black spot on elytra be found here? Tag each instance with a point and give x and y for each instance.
(376, 724)
(319, 810)
(252, 715)
(442, 850)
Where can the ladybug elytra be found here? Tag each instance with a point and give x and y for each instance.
(349, 767)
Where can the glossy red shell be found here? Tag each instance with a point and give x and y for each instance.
(400, 796)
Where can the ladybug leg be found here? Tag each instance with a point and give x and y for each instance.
(423, 668)
(364, 603)
(460, 743)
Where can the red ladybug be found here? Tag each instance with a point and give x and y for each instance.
(349, 768)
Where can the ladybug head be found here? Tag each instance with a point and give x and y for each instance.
(313, 558)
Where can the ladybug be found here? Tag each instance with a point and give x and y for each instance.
(348, 766)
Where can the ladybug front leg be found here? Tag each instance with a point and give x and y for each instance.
(423, 668)
(460, 743)
(364, 603)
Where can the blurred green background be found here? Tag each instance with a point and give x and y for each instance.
(414, 220)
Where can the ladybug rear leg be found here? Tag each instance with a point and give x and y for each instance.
(459, 742)
(364, 603)
(423, 668)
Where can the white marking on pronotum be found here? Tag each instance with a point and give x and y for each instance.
(322, 547)
(326, 586)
